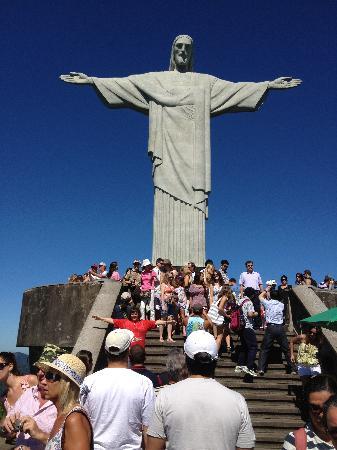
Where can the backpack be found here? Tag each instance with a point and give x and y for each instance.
(237, 318)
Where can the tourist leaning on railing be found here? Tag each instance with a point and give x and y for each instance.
(307, 355)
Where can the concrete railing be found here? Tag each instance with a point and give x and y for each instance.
(93, 332)
(56, 314)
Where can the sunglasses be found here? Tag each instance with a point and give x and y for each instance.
(3, 365)
(52, 376)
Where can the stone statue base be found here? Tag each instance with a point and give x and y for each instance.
(178, 231)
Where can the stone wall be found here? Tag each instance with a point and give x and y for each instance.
(55, 313)
(329, 298)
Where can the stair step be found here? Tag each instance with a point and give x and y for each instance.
(229, 375)
(263, 387)
(270, 436)
(272, 397)
(270, 423)
(268, 408)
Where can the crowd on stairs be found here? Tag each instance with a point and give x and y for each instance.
(64, 405)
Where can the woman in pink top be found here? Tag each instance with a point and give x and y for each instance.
(147, 279)
(197, 292)
(167, 300)
(113, 272)
(10, 377)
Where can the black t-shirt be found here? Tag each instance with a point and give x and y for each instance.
(147, 373)
(283, 294)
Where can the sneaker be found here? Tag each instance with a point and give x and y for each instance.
(261, 373)
(239, 369)
(249, 371)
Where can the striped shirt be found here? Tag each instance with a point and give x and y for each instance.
(313, 441)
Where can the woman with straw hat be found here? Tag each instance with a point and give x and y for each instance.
(72, 428)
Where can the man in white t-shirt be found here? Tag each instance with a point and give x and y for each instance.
(250, 278)
(200, 413)
(119, 401)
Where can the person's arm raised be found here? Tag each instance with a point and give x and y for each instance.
(76, 78)
(103, 319)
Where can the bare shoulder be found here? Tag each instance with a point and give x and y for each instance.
(77, 419)
(32, 380)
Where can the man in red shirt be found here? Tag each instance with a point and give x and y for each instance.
(138, 327)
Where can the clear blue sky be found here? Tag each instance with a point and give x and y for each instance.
(76, 180)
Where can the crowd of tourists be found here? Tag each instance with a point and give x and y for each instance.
(66, 405)
(186, 300)
(126, 406)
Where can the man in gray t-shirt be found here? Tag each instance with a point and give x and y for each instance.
(200, 413)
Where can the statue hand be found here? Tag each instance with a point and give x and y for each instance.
(284, 83)
(77, 78)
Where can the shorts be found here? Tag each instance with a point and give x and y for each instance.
(170, 309)
(308, 371)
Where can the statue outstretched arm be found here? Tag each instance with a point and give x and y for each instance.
(284, 83)
(115, 92)
(76, 78)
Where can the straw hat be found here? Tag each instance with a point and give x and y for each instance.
(68, 365)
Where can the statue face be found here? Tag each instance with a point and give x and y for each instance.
(182, 53)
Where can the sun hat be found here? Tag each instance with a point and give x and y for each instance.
(201, 342)
(68, 365)
(117, 341)
(146, 262)
(49, 353)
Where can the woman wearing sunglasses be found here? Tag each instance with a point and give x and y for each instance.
(72, 429)
(314, 435)
(15, 384)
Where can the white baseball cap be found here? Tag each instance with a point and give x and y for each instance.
(102, 264)
(146, 262)
(201, 342)
(117, 341)
(126, 295)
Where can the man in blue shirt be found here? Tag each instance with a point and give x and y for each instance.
(274, 312)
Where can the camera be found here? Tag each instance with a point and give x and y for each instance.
(18, 426)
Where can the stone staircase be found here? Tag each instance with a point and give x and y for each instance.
(271, 398)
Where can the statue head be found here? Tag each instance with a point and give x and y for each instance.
(182, 54)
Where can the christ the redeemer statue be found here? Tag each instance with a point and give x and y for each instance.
(180, 104)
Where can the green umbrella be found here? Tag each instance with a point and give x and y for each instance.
(326, 319)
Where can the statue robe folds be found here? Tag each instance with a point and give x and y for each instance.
(180, 106)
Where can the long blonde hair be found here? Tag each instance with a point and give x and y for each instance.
(68, 395)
